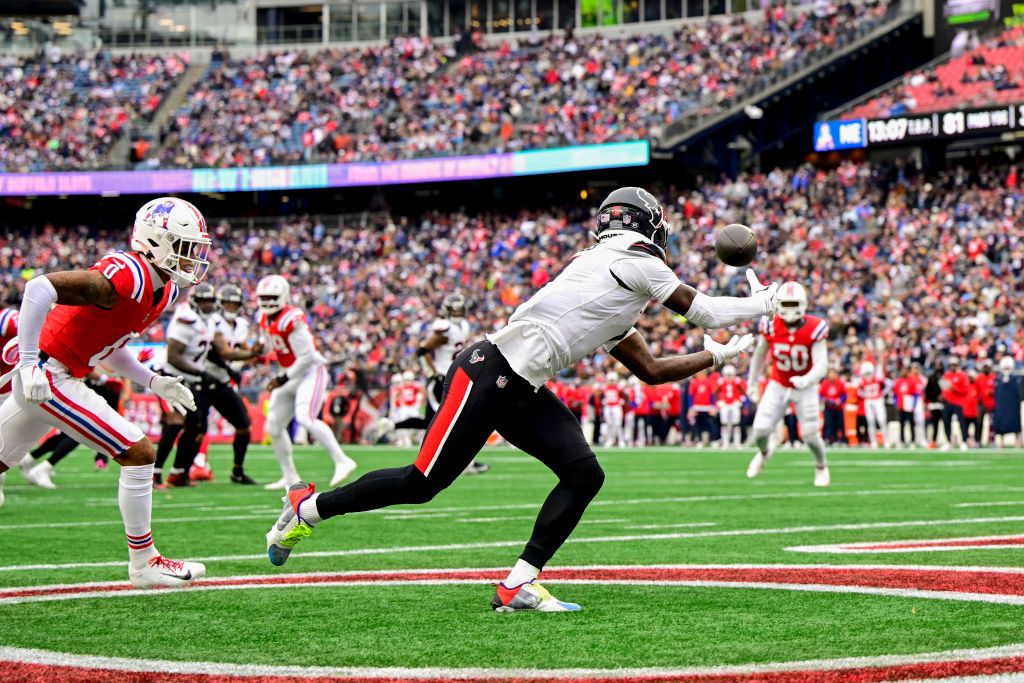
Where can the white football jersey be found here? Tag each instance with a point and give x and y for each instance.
(193, 330)
(456, 331)
(594, 301)
(235, 333)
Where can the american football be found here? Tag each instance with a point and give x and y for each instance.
(736, 245)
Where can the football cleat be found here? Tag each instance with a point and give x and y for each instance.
(279, 484)
(529, 596)
(179, 479)
(161, 572)
(341, 471)
(197, 473)
(757, 464)
(40, 475)
(242, 478)
(26, 464)
(101, 465)
(289, 528)
(476, 468)
(821, 476)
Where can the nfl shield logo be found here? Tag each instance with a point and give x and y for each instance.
(502, 381)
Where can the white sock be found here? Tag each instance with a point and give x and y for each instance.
(27, 463)
(523, 572)
(135, 498)
(283, 450)
(325, 437)
(308, 512)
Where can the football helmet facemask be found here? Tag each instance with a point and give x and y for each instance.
(454, 304)
(171, 234)
(792, 302)
(204, 292)
(229, 294)
(272, 293)
(637, 210)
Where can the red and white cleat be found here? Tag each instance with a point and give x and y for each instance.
(161, 572)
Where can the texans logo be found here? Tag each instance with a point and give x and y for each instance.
(652, 205)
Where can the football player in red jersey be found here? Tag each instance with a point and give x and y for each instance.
(97, 312)
(870, 386)
(730, 402)
(796, 344)
(300, 390)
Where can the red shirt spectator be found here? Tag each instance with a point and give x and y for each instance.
(986, 386)
(955, 389)
(702, 394)
(833, 392)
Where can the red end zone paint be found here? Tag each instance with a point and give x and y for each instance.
(964, 543)
(986, 582)
(18, 672)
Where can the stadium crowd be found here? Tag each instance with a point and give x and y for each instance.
(416, 98)
(919, 269)
(65, 112)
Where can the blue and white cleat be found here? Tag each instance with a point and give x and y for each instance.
(529, 596)
(289, 528)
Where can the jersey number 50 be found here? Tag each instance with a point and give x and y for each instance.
(791, 357)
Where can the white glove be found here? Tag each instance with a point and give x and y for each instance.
(170, 389)
(799, 382)
(723, 352)
(34, 384)
(768, 294)
(752, 393)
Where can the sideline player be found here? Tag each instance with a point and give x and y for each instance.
(498, 384)
(448, 335)
(97, 312)
(870, 385)
(8, 331)
(796, 344)
(730, 404)
(300, 391)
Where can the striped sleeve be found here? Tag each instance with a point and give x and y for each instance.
(125, 273)
(288, 320)
(762, 326)
(820, 332)
(8, 322)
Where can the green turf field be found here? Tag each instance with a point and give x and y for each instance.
(658, 507)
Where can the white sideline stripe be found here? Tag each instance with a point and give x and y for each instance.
(985, 505)
(865, 546)
(33, 656)
(957, 596)
(593, 539)
(118, 522)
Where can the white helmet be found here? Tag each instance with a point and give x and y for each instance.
(272, 293)
(408, 376)
(612, 378)
(729, 371)
(396, 378)
(171, 234)
(792, 302)
(1006, 365)
(867, 369)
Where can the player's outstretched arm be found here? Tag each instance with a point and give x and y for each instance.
(225, 352)
(634, 353)
(713, 312)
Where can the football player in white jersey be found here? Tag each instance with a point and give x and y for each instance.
(499, 384)
(230, 344)
(300, 391)
(448, 335)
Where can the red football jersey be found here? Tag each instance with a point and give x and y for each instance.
(276, 333)
(732, 390)
(906, 389)
(701, 392)
(8, 331)
(790, 350)
(640, 399)
(80, 337)
(408, 394)
(869, 388)
(611, 395)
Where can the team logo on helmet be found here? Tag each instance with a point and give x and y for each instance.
(164, 210)
(652, 205)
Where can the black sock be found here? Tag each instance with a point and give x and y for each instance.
(188, 449)
(163, 448)
(240, 446)
(47, 446)
(63, 449)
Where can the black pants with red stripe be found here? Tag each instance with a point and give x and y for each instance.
(482, 395)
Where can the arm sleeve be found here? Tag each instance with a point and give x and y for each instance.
(645, 275)
(819, 362)
(123, 362)
(757, 362)
(301, 342)
(722, 311)
(39, 297)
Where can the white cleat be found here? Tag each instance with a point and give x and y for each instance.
(40, 475)
(529, 597)
(26, 464)
(277, 485)
(341, 471)
(821, 476)
(757, 464)
(161, 572)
